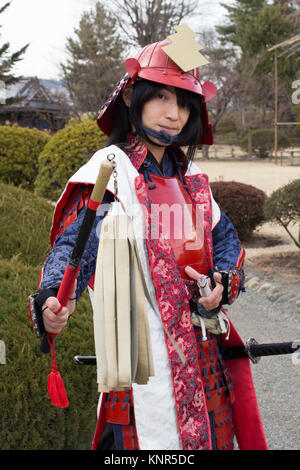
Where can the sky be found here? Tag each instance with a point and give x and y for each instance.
(45, 25)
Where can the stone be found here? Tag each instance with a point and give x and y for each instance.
(284, 298)
(265, 286)
(252, 283)
(273, 290)
(255, 278)
(2, 352)
(273, 297)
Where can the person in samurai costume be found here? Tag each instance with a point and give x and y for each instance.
(201, 403)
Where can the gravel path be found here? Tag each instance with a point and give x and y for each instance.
(263, 312)
(269, 314)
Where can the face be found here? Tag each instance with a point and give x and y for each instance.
(162, 113)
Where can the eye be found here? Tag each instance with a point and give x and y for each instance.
(161, 95)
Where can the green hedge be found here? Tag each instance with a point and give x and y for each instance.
(28, 421)
(25, 221)
(65, 153)
(263, 142)
(19, 151)
(242, 203)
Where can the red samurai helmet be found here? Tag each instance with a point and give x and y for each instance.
(169, 62)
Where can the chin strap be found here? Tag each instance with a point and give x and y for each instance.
(162, 136)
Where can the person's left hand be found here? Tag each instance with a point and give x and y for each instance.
(214, 298)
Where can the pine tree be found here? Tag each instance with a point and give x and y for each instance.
(8, 60)
(240, 18)
(253, 27)
(95, 62)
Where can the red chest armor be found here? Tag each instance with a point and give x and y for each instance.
(179, 220)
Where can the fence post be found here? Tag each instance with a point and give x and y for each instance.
(205, 152)
(249, 142)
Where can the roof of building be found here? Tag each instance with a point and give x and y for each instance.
(37, 93)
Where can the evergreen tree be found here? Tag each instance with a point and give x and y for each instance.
(253, 27)
(95, 62)
(8, 60)
(240, 16)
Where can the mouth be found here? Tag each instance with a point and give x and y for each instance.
(170, 130)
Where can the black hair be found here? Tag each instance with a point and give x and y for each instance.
(144, 91)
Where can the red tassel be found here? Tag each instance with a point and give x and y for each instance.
(56, 388)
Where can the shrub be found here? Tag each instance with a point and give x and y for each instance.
(25, 221)
(231, 138)
(242, 203)
(283, 207)
(28, 421)
(68, 150)
(263, 142)
(19, 151)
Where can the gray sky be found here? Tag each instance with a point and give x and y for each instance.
(46, 24)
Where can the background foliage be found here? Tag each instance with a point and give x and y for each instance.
(94, 62)
(19, 151)
(25, 221)
(263, 142)
(27, 420)
(242, 203)
(9, 59)
(65, 153)
(283, 207)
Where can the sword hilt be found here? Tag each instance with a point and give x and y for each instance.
(255, 351)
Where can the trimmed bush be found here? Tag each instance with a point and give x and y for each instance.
(283, 207)
(25, 221)
(242, 203)
(263, 142)
(19, 151)
(65, 153)
(28, 421)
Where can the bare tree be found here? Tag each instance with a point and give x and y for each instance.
(146, 21)
(221, 70)
(243, 95)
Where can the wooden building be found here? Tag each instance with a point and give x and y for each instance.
(34, 102)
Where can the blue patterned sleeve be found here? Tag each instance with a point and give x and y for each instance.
(56, 262)
(226, 245)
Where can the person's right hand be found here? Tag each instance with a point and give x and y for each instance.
(56, 322)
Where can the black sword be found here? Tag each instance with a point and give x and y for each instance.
(252, 350)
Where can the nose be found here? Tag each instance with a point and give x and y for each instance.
(173, 109)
